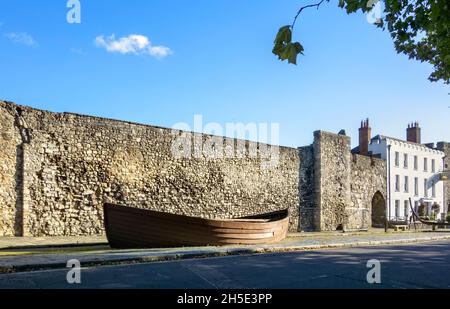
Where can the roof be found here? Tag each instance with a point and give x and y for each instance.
(379, 136)
(384, 137)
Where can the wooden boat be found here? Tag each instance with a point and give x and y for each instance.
(128, 227)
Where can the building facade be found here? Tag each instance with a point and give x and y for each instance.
(413, 172)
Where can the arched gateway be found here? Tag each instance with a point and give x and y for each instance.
(378, 210)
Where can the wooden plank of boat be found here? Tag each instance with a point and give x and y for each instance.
(151, 233)
(128, 227)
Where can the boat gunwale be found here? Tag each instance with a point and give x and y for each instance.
(266, 223)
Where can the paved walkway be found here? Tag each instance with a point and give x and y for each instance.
(14, 260)
(74, 241)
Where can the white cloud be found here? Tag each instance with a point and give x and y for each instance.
(21, 38)
(133, 44)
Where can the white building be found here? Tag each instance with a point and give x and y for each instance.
(413, 171)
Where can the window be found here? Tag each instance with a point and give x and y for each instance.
(416, 186)
(406, 184)
(397, 158)
(416, 163)
(405, 160)
(433, 189)
(397, 183)
(433, 166)
(406, 209)
(397, 208)
(425, 164)
(425, 188)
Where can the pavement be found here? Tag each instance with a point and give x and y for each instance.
(404, 266)
(47, 254)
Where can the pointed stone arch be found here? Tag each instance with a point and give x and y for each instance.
(378, 210)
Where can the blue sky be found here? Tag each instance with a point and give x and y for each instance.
(220, 65)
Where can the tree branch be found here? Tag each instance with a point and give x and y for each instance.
(317, 5)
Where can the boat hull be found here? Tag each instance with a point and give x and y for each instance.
(128, 227)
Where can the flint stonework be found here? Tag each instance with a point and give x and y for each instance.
(58, 169)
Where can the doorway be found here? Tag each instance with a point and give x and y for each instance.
(378, 210)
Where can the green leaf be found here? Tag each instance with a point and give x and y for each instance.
(293, 50)
(283, 46)
(289, 52)
(278, 49)
(284, 35)
(298, 47)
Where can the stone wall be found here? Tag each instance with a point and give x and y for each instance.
(337, 187)
(309, 210)
(445, 147)
(332, 179)
(57, 170)
(10, 162)
(366, 180)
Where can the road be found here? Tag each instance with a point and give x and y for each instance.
(423, 265)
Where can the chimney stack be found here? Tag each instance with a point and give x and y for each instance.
(413, 133)
(365, 134)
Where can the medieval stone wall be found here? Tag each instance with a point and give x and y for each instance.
(332, 179)
(343, 185)
(57, 170)
(10, 162)
(309, 210)
(365, 182)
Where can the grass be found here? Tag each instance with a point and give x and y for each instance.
(67, 250)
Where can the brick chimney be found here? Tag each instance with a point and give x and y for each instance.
(365, 134)
(413, 133)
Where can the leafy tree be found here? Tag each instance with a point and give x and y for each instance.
(419, 28)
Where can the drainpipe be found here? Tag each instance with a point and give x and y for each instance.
(388, 213)
(446, 210)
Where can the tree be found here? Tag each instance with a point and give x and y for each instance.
(419, 28)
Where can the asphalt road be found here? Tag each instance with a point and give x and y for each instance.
(407, 266)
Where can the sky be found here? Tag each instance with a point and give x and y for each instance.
(161, 62)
